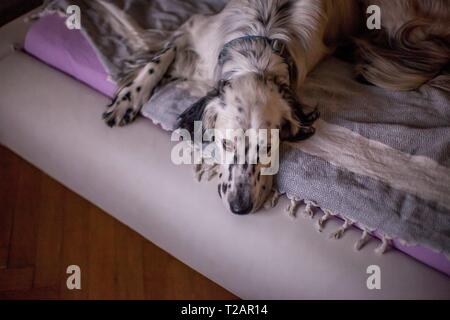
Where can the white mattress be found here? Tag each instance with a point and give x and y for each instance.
(55, 122)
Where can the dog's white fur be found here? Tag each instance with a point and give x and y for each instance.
(253, 85)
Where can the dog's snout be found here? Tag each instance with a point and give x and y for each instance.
(242, 202)
(241, 208)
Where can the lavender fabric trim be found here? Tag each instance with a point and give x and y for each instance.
(69, 51)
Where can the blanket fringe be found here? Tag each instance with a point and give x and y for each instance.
(273, 199)
(200, 170)
(365, 238)
(341, 231)
(310, 206)
(321, 222)
(385, 244)
(211, 174)
(292, 208)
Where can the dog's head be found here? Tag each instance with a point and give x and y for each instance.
(237, 110)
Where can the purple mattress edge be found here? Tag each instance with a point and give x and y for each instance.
(69, 51)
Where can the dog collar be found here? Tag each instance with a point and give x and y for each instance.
(278, 47)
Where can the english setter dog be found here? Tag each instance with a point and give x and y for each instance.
(256, 54)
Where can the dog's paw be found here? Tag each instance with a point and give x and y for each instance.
(124, 108)
(131, 97)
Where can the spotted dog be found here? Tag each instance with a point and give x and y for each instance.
(255, 55)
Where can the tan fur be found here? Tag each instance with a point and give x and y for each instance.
(412, 48)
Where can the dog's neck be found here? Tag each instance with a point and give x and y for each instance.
(260, 55)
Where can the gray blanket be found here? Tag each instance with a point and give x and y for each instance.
(379, 159)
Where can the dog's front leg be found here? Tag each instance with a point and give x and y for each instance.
(137, 91)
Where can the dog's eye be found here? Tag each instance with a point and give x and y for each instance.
(227, 145)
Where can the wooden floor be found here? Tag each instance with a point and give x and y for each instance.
(44, 228)
(11, 9)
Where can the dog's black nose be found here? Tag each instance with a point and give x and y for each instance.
(241, 200)
(240, 208)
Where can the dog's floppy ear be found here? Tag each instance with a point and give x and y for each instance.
(298, 124)
(192, 114)
(196, 112)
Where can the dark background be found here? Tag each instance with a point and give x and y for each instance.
(11, 9)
